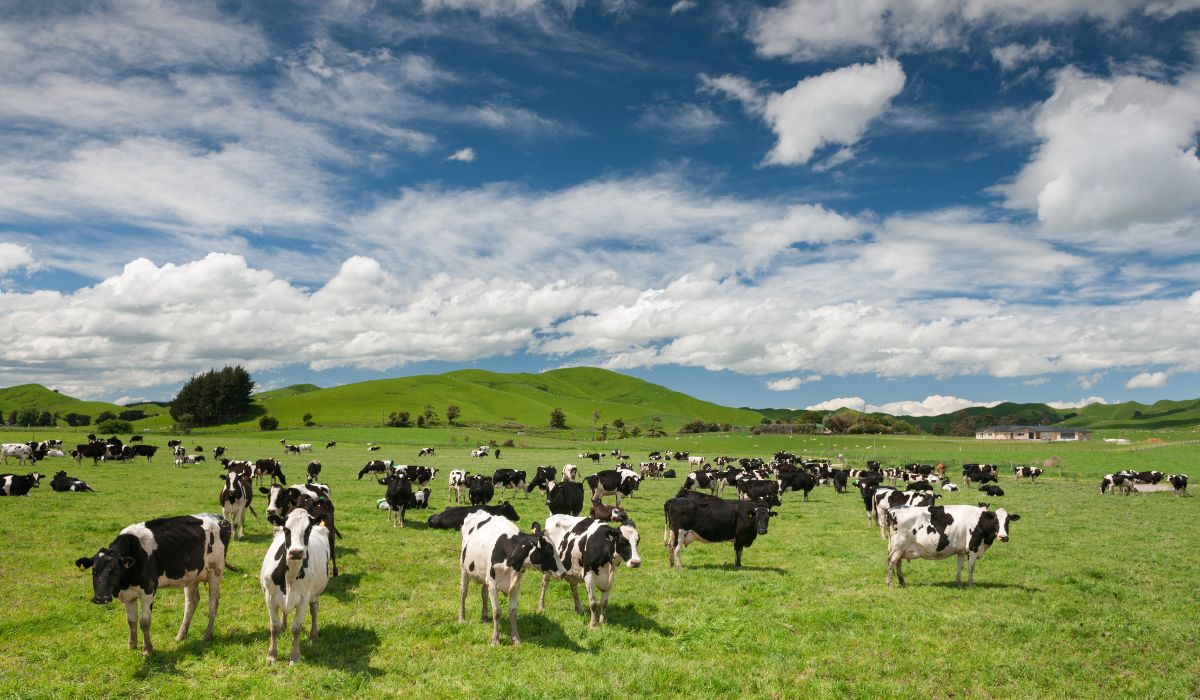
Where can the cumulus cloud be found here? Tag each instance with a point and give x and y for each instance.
(14, 256)
(1076, 404)
(463, 155)
(831, 108)
(1013, 56)
(1113, 152)
(929, 406)
(1148, 380)
(853, 402)
(789, 383)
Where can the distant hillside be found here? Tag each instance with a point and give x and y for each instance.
(491, 398)
(39, 398)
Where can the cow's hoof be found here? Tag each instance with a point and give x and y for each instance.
(495, 642)
(149, 651)
(516, 642)
(179, 637)
(208, 636)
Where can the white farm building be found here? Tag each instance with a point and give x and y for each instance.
(1049, 433)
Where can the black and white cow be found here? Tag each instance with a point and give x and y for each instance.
(426, 451)
(23, 453)
(759, 489)
(271, 468)
(458, 482)
(938, 532)
(544, 475)
(218, 452)
(399, 496)
(18, 484)
(509, 479)
(330, 444)
(1179, 482)
(480, 452)
(797, 481)
(375, 466)
(611, 482)
(178, 552)
(314, 498)
(62, 482)
(702, 479)
(591, 552)
(235, 499)
(703, 518)
(295, 571)
(564, 498)
(919, 485)
(949, 486)
(417, 475)
(453, 517)
(1031, 473)
(992, 490)
(880, 500)
(594, 456)
(143, 450)
(1121, 481)
(1149, 477)
(496, 554)
(480, 489)
(314, 470)
(172, 444)
(570, 472)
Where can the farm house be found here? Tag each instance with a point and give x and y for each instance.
(1033, 432)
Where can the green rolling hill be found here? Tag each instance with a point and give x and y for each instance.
(39, 398)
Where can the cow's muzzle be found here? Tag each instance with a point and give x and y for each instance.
(1004, 538)
(634, 563)
(102, 599)
(295, 554)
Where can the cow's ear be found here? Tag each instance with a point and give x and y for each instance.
(126, 562)
(984, 505)
(774, 514)
(1013, 517)
(83, 562)
(264, 489)
(537, 529)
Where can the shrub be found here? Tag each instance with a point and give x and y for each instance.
(114, 426)
(268, 423)
(508, 443)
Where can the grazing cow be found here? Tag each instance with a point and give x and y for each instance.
(453, 517)
(218, 452)
(594, 456)
(197, 448)
(565, 498)
(19, 450)
(330, 444)
(938, 532)
(313, 498)
(992, 490)
(19, 485)
(949, 486)
(591, 552)
(611, 481)
(543, 476)
(304, 447)
(759, 489)
(509, 479)
(375, 465)
(480, 489)
(702, 479)
(417, 474)
(1121, 481)
(62, 482)
(840, 479)
(373, 448)
(135, 438)
(1179, 482)
(295, 571)
(695, 461)
(797, 481)
(1031, 473)
(314, 470)
(570, 472)
(291, 449)
(179, 552)
(480, 452)
(143, 450)
(399, 496)
(608, 513)
(703, 518)
(458, 481)
(235, 499)
(1149, 477)
(271, 468)
(496, 554)
(426, 451)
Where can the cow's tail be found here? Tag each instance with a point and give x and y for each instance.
(250, 507)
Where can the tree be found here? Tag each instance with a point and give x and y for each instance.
(132, 414)
(398, 420)
(105, 416)
(429, 414)
(27, 418)
(308, 421)
(604, 432)
(618, 423)
(215, 397)
(184, 424)
(114, 426)
(12, 417)
(421, 421)
(635, 430)
(452, 413)
(558, 419)
(45, 419)
(77, 419)
(595, 417)
(268, 423)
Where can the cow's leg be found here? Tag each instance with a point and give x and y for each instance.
(493, 595)
(483, 596)
(678, 550)
(214, 600)
(277, 625)
(191, 596)
(618, 496)
(147, 601)
(402, 516)
(312, 611)
(806, 496)
(297, 624)
(589, 583)
(958, 576)
(971, 570)
(604, 605)
(462, 597)
(575, 596)
(737, 556)
(542, 598)
(131, 616)
(514, 597)
(333, 545)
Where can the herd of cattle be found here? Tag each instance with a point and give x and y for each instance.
(588, 549)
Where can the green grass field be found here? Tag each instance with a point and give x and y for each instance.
(1092, 597)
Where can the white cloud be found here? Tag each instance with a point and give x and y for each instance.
(1036, 381)
(789, 383)
(680, 122)
(1087, 381)
(929, 406)
(683, 6)
(1114, 153)
(463, 155)
(1148, 380)
(852, 402)
(14, 256)
(832, 108)
(805, 30)
(1075, 404)
(1013, 56)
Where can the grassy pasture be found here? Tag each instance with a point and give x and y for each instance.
(1093, 596)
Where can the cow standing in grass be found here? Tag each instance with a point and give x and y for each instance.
(295, 571)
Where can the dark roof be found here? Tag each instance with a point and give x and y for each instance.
(1040, 428)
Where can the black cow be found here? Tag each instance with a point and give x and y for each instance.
(19, 485)
(797, 481)
(840, 479)
(314, 470)
(668, 474)
(143, 450)
(703, 518)
(218, 452)
(452, 518)
(922, 485)
(756, 489)
(375, 465)
(62, 482)
(399, 496)
(541, 478)
(330, 444)
(179, 552)
(480, 489)
(565, 498)
(95, 450)
(1179, 482)
(992, 490)
(170, 443)
(135, 438)
(509, 479)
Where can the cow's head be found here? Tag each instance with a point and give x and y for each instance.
(278, 501)
(108, 567)
(296, 528)
(537, 551)
(507, 510)
(1005, 518)
(628, 542)
(36, 478)
(760, 515)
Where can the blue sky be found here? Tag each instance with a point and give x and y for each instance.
(881, 204)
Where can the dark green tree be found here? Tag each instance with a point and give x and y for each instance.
(114, 426)
(105, 416)
(215, 397)
(132, 414)
(452, 413)
(558, 419)
(268, 423)
(308, 421)
(77, 419)
(45, 419)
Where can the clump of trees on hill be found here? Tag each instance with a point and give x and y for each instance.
(31, 417)
(215, 397)
(700, 426)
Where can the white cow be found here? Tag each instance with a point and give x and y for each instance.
(496, 554)
(939, 532)
(235, 500)
(458, 482)
(294, 573)
(591, 552)
(570, 472)
(15, 449)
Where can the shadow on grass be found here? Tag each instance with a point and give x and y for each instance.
(730, 567)
(538, 629)
(195, 646)
(630, 618)
(340, 647)
(982, 584)
(341, 587)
